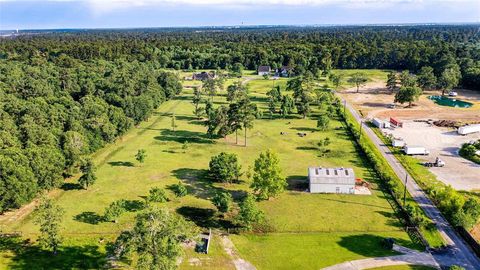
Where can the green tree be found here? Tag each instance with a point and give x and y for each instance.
(392, 81)
(249, 214)
(141, 155)
(156, 194)
(407, 79)
(336, 80)
(323, 122)
(155, 239)
(267, 176)
(237, 69)
(88, 177)
(358, 79)
(223, 201)
(225, 168)
(287, 105)
(210, 87)
(179, 189)
(217, 122)
(248, 112)
(49, 216)
(114, 210)
(449, 78)
(197, 100)
(236, 92)
(408, 94)
(426, 78)
(235, 119)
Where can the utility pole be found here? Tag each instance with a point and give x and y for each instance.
(405, 191)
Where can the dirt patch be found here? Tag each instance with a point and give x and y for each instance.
(229, 247)
(373, 101)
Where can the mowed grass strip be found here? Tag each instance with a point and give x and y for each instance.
(336, 217)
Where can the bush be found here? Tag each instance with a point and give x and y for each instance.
(225, 168)
(223, 201)
(249, 215)
(180, 190)
(114, 210)
(157, 195)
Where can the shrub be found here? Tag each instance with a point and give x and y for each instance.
(180, 190)
(225, 168)
(223, 201)
(157, 195)
(114, 210)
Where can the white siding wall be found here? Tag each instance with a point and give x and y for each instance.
(332, 188)
(261, 73)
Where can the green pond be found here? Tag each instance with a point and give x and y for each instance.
(451, 102)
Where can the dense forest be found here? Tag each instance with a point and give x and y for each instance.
(64, 94)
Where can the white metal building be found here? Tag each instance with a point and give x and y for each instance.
(331, 180)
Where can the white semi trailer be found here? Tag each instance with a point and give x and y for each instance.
(415, 150)
(468, 129)
(380, 123)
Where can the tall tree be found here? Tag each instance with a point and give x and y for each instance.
(155, 239)
(408, 94)
(49, 216)
(336, 79)
(449, 78)
(407, 79)
(392, 81)
(267, 176)
(173, 122)
(426, 78)
(287, 105)
(323, 122)
(197, 100)
(236, 92)
(358, 79)
(88, 177)
(248, 113)
(210, 87)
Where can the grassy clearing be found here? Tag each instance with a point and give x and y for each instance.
(325, 221)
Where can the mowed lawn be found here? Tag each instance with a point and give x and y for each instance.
(311, 230)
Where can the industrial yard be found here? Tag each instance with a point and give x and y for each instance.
(444, 143)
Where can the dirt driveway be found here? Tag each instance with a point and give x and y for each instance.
(462, 174)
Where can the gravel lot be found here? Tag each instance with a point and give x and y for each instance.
(462, 174)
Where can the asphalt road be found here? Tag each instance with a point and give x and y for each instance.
(459, 252)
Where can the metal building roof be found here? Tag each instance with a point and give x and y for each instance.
(344, 176)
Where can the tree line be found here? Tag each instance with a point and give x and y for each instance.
(303, 48)
(53, 114)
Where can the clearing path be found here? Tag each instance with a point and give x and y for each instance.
(459, 252)
(229, 247)
(411, 257)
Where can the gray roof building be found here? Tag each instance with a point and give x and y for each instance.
(331, 180)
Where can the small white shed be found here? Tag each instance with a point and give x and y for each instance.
(331, 180)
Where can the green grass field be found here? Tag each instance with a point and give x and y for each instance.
(311, 230)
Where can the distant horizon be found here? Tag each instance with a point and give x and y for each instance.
(248, 26)
(124, 14)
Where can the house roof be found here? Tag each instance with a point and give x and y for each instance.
(343, 176)
(202, 76)
(264, 69)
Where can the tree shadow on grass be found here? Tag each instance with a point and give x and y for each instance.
(199, 184)
(28, 256)
(134, 205)
(182, 136)
(71, 186)
(369, 245)
(393, 219)
(89, 217)
(297, 182)
(305, 129)
(204, 217)
(121, 163)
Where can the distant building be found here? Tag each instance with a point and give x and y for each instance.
(331, 180)
(203, 76)
(284, 71)
(264, 70)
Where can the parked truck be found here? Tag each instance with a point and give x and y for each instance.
(415, 150)
(380, 123)
(468, 129)
(438, 163)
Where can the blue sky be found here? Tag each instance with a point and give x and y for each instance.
(32, 14)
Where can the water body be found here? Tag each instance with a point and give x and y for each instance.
(451, 102)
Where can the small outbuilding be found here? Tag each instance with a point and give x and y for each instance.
(331, 180)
